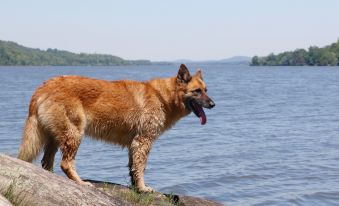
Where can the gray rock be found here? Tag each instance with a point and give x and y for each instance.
(26, 184)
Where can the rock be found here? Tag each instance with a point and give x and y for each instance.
(26, 184)
(158, 198)
(195, 201)
(4, 201)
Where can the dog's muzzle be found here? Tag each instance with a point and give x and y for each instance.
(211, 104)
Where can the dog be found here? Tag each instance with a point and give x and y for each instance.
(128, 113)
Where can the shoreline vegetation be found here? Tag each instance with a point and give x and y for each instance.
(13, 54)
(314, 56)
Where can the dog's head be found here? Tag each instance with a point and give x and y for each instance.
(195, 92)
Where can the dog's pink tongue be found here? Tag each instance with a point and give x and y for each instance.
(202, 116)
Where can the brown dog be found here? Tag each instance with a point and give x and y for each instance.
(128, 113)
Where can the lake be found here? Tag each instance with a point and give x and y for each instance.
(272, 138)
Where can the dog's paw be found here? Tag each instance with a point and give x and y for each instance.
(86, 184)
(146, 189)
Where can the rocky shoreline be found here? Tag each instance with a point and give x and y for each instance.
(22, 183)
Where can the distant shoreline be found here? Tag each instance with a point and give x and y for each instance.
(314, 56)
(13, 54)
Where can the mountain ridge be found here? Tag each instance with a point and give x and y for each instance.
(231, 60)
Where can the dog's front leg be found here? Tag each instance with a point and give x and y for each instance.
(138, 154)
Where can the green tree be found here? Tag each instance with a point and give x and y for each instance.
(328, 58)
(255, 61)
(299, 57)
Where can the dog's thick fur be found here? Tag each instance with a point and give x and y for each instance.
(128, 113)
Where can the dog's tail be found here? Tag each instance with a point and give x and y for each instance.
(32, 140)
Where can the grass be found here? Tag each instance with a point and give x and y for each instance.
(131, 195)
(8, 194)
(141, 199)
(16, 199)
(20, 198)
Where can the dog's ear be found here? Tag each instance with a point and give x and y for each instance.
(199, 74)
(183, 74)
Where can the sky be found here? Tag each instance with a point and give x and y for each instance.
(170, 30)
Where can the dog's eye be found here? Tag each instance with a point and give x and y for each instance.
(197, 90)
(206, 90)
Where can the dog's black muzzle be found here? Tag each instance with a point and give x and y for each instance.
(207, 103)
(211, 104)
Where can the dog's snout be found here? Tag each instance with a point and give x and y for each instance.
(212, 104)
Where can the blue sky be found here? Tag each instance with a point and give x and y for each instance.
(169, 30)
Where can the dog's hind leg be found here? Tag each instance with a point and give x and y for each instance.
(68, 129)
(50, 150)
(69, 144)
(130, 163)
(139, 151)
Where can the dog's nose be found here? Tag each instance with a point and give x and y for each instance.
(212, 104)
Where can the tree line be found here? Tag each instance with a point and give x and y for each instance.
(314, 56)
(12, 53)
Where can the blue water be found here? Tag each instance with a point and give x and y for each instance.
(272, 138)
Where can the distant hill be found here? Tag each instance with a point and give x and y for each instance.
(314, 56)
(236, 60)
(12, 53)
